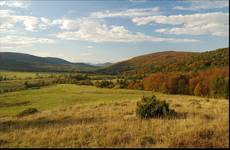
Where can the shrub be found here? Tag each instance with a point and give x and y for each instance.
(84, 82)
(150, 107)
(78, 77)
(32, 84)
(122, 83)
(27, 111)
(104, 84)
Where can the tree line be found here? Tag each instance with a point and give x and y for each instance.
(212, 82)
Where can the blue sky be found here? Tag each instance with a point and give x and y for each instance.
(96, 31)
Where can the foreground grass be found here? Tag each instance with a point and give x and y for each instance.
(83, 116)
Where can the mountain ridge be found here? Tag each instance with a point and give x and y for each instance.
(27, 62)
(165, 61)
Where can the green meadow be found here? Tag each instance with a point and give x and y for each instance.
(24, 75)
(63, 95)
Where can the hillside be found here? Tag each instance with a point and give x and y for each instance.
(170, 61)
(26, 62)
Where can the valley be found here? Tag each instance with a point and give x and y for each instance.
(114, 74)
(79, 108)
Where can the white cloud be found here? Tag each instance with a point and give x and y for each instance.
(15, 41)
(66, 24)
(202, 5)
(89, 46)
(195, 24)
(45, 23)
(8, 21)
(86, 54)
(135, 12)
(15, 4)
(30, 22)
(94, 31)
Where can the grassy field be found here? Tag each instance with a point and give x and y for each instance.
(15, 80)
(63, 95)
(85, 116)
(25, 75)
(31, 75)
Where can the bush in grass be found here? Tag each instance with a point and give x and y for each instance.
(27, 111)
(150, 107)
(84, 82)
(104, 84)
(33, 84)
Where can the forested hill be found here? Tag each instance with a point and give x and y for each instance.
(169, 61)
(26, 62)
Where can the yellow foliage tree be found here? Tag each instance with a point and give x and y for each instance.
(198, 89)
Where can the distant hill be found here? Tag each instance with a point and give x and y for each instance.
(104, 64)
(26, 62)
(170, 61)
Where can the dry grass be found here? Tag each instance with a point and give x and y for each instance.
(114, 124)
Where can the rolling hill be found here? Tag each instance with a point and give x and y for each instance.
(26, 62)
(169, 61)
(166, 61)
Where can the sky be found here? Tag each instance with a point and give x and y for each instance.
(99, 31)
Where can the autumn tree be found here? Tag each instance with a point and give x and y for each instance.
(198, 89)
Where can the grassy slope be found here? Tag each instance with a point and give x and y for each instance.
(82, 116)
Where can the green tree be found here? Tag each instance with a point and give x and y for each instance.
(219, 87)
(183, 86)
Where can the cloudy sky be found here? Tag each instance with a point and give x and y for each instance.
(110, 31)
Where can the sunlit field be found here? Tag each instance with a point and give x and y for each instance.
(85, 116)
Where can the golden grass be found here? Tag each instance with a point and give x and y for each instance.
(203, 123)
